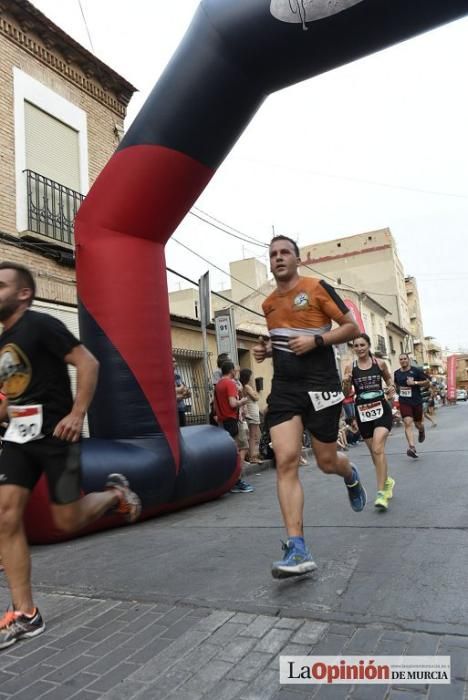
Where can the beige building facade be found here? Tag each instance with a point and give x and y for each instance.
(367, 263)
(62, 112)
(462, 371)
(435, 361)
(416, 323)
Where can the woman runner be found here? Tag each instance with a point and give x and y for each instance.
(373, 412)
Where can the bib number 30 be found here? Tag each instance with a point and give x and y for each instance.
(25, 424)
(325, 399)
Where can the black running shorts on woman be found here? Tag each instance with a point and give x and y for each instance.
(370, 399)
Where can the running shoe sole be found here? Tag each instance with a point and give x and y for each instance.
(25, 635)
(381, 507)
(289, 571)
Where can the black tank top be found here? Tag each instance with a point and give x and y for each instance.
(367, 382)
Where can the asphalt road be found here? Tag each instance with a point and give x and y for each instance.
(408, 566)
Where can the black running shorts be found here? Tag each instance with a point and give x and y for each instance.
(60, 461)
(286, 401)
(366, 428)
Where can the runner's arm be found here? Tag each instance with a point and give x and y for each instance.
(387, 377)
(347, 382)
(347, 330)
(87, 368)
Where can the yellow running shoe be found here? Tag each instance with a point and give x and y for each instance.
(381, 502)
(388, 488)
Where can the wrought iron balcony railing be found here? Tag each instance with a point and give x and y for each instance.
(52, 208)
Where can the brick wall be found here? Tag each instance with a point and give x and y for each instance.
(55, 282)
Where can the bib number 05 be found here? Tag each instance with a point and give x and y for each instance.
(325, 399)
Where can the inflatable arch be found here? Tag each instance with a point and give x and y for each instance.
(233, 55)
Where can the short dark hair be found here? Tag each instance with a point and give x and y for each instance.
(286, 238)
(23, 275)
(244, 375)
(222, 358)
(404, 354)
(227, 367)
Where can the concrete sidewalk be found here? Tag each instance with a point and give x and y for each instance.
(184, 607)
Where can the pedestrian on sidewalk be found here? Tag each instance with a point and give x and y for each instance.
(43, 436)
(228, 403)
(251, 414)
(306, 390)
(374, 414)
(409, 381)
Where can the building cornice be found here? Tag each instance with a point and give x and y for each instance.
(37, 35)
(398, 329)
(352, 253)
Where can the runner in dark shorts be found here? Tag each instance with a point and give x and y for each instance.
(43, 437)
(306, 391)
(373, 412)
(409, 381)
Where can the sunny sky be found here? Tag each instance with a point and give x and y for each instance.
(381, 142)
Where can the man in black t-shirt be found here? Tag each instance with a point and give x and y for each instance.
(409, 381)
(43, 436)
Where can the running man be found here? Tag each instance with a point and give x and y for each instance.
(306, 391)
(374, 414)
(43, 435)
(409, 381)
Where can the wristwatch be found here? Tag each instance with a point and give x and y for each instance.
(319, 341)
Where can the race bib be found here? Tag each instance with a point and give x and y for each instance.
(370, 411)
(25, 424)
(325, 399)
(406, 392)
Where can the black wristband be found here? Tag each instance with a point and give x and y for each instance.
(319, 341)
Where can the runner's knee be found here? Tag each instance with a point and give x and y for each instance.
(327, 464)
(10, 519)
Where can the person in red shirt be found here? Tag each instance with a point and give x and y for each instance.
(227, 405)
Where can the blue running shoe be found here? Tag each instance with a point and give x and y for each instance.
(296, 561)
(356, 492)
(242, 486)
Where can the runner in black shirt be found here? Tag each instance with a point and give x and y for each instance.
(43, 435)
(409, 381)
(373, 411)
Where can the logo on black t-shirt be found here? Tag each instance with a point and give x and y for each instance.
(15, 371)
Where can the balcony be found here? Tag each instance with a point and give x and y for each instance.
(52, 208)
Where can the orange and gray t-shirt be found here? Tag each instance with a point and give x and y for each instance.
(307, 309)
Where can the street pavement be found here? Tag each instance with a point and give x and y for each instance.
(184, 606)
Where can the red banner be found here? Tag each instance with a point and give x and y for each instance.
(356, 313)
(452, 377)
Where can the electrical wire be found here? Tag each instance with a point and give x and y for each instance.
(86, 25)
(216, 294)
(244, 236)
(245, 240)
(212, 264)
